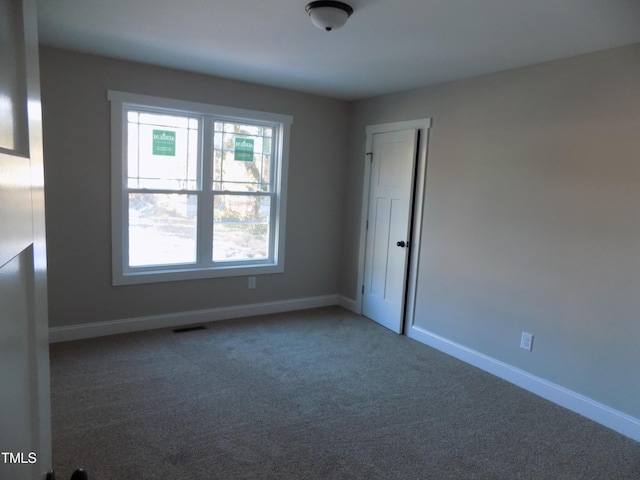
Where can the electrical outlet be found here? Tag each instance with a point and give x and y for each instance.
(252, 282)
(526, 341)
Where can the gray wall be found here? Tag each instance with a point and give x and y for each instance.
(532, 217)
(77, 153)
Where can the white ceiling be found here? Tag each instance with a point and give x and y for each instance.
(386, 46)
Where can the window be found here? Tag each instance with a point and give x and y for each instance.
(198, 191)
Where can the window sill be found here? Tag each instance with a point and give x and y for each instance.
(174, 275)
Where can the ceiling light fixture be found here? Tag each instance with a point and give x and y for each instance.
(329, 15)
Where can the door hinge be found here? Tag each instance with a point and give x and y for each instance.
(367, 226)
(370, 156)
(363, 289)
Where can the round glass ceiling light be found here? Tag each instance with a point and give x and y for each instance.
(329, 15)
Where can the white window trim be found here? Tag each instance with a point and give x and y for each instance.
(123, 275)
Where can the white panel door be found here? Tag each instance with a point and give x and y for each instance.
(25, 436)
(389, 225)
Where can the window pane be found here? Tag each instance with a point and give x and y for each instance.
(162, 151)
(241, 227)
(242, 157)
(162, 229)
(164, 120)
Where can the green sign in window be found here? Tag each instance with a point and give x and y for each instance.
(243, 151)
(164, 142)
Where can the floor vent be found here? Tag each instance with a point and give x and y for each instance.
(189, 329)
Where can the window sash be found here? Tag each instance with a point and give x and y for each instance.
(187, 129)
(206, 226)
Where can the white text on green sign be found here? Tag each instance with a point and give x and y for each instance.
(164, 142)
(243, 151)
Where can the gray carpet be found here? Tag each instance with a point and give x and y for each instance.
(319, 394)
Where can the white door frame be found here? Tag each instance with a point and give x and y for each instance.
(423, 125)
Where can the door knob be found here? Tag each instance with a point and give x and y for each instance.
(401, 243)
(79, 474)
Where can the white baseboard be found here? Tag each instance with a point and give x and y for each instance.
(348, 304)
(598, 412)
(127, 325)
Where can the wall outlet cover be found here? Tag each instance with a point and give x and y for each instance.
(526, 341)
